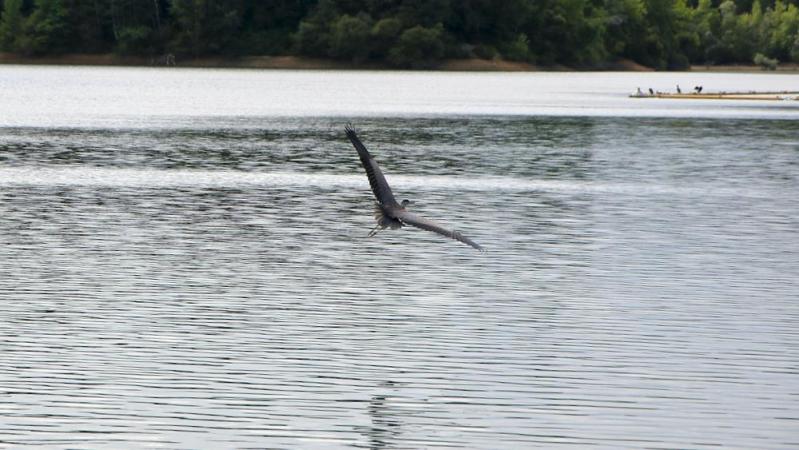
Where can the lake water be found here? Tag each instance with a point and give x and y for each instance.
(184, 261)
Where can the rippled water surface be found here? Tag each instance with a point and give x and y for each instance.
(184, 261)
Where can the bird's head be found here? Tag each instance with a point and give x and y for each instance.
(405, 203)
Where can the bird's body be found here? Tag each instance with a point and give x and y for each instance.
(385, 219)
(388, 212)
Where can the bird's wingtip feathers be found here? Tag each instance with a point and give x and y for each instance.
(458, 236)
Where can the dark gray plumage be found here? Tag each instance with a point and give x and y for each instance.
(388, 212)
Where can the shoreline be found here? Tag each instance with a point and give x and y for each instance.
(302, 63)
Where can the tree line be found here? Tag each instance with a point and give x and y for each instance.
(665, 34)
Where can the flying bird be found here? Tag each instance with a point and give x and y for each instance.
(389, 213)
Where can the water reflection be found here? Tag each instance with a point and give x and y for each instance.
(386, 425)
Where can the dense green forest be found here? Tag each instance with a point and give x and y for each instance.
(665, 34)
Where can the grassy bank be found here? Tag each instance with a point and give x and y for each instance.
(301, 63)
(261, 62)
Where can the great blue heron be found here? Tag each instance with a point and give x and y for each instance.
(388, 212)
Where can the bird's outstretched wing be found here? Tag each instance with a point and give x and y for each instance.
(378, 182)
(410, 218)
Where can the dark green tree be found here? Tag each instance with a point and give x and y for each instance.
(89, 26)
(267, 26)
(351, 37)
(666, 34)
(205, 27)
(781, 33)
(138, 26)
(11, 24)
(418, 47)
(568, 32)
(313, 35)
(427, 13)
(385, 33)
(45, 29)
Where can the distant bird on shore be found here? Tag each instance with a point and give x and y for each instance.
(679, 91)
(389, 213)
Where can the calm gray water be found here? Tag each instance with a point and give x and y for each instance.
(183, 262)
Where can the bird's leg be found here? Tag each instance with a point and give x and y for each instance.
(374, 231)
